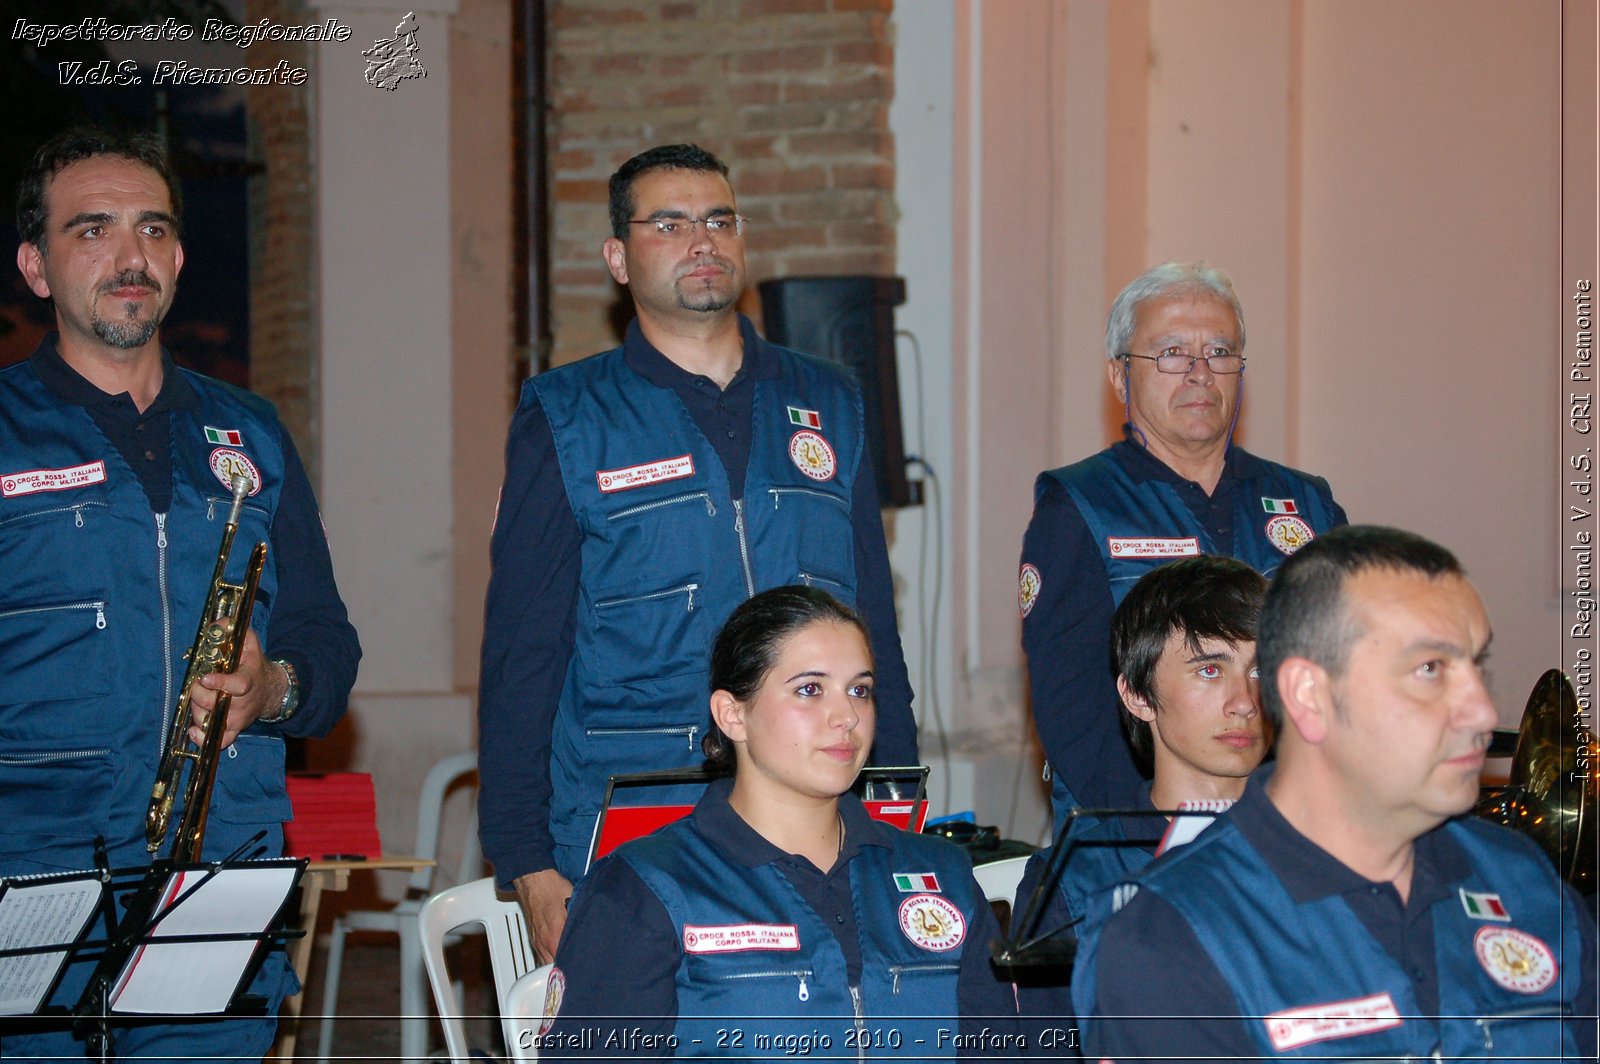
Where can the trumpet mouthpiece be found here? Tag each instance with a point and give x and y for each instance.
(241, 488)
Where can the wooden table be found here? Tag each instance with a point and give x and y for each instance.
(330, 876)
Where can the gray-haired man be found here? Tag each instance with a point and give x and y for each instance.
(1174, 486)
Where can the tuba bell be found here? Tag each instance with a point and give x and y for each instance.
(1551, 794)
(216, 648)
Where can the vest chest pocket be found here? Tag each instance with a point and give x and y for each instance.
(643, 637)
(75, 514)
(825, 555)
(54, 652)
(836, 588)
(638, 533)
(73, 785)
(764, 979)
(251, 778)
(910, 977)
(1529, 1026)
(255, 522)
(1123, 573)
(51, 552)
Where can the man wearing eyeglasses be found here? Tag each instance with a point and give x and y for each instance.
(649, 490)
(1173, 487)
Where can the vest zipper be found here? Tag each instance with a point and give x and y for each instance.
(860, 1022)
(212, 502)
(77, 509)
(801, 974)
(166, 635)
(811, 579)
(687, 730)
(58, 755)
(668, 593)
(99, 608)
(711, 507)
(1530, 1012)
(778, 494)
(744, 548)
(895, 971)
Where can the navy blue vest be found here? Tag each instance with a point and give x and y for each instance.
(99, 601)
(799, 986)
(1139, 525)
(668, 553)
(1503, 983)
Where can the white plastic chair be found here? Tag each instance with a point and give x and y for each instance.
(402, 919)
(999, 879)
(522, 1009)
(510, 951)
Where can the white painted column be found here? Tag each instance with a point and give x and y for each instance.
(922, 117)
(382, 181)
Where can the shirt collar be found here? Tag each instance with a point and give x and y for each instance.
(1141, 465)
(70, 386)
(746, 847)
(1144, 831)
(643, 358)
(1308, 872)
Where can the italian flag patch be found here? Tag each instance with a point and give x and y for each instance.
(224, 437)
(1279, 506)
(914, 882)
(806, 419)
(1483, 906)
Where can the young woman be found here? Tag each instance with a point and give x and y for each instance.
(779, 919)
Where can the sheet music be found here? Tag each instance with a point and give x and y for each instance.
(39, 914)
(201, 977)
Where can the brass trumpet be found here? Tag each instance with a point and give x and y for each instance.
(216, 648)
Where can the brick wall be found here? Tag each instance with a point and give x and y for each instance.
(283, 366)
(792, 94)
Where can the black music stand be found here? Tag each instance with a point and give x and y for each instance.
(154, 923)
(1025, 946)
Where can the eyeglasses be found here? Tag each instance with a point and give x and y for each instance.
(681, 227)
(1223, 362)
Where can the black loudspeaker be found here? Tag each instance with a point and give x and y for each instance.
(850, 320)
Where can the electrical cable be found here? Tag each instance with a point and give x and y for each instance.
(928, 606)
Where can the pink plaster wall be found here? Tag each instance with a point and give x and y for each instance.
(1430, 295)
(1383, 182)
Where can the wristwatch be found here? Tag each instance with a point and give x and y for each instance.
(291, 695)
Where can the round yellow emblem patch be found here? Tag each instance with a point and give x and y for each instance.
(932, 922)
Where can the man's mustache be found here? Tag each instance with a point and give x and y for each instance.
(131, 279)
(706, 260)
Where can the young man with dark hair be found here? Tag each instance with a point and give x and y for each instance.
(115, 481)
(1183, 649)
(1345, 908)
(649, 490)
